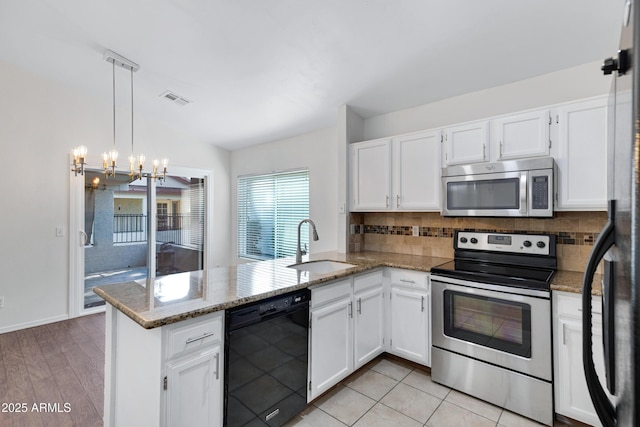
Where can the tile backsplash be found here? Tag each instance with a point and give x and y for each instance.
(393, 232)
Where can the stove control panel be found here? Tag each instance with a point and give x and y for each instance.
(536, 244)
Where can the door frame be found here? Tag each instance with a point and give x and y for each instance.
(77, 235)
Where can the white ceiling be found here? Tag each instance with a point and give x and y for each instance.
(262, 70)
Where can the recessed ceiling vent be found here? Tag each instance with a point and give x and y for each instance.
(176, 99)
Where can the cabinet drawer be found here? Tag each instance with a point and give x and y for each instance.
(571, 305)
(333, 291)
(194, 335)
(409, 278)
(366, 281)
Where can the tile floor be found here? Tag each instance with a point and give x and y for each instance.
(389, 392)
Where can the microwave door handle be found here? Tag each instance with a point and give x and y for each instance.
(524, 189)
(603, 406)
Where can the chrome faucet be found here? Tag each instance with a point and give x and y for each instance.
(299, 251)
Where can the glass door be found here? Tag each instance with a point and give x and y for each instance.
(116, 228)
(180, 219)
(131, 230)
(490, 322)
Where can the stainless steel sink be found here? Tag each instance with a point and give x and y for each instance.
(322, 267)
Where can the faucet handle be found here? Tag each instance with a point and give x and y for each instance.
(305, 250)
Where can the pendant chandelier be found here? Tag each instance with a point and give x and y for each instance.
(136, 163)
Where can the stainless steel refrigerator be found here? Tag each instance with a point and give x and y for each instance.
(619, 242)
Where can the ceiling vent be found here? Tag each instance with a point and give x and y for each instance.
(176, 99)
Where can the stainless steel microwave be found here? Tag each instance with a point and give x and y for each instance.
(517, 188)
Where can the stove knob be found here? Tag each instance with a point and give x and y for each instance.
(526, 243)
(541, 244)
(474, 240)
(463, 240)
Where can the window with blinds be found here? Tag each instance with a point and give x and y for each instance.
(269, 209)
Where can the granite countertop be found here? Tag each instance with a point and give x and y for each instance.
(571, 281)
(160, 301)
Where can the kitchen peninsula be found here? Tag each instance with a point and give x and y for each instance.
(171, 329)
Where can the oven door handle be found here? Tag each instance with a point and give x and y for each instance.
(603, 406)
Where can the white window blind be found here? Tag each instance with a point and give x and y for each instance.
(269, 209)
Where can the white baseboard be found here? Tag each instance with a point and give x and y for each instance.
(38, 322)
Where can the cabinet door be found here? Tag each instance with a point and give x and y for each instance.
(371, 175)
(409, 310)
(331, 356)
(368, 325)
(467, 143)
(522, 135)
(572, 397)
(582, 155)
(194, 390)
(417, 171)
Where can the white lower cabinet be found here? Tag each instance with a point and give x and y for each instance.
(167, 376)
(346, 330)
(195, 393)
(331, 341)
(409, 313)
(571, 393)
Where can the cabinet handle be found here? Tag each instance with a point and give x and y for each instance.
(564, 334)
(421, 303)
(398, 200)
(217, 365)
(499, 154)
(407, 281)
(360, 306)
(387, 201)
(201, 337)
(484, 155)
(350, 309)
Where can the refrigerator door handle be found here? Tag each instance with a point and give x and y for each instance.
(603, 406)
(608, 320)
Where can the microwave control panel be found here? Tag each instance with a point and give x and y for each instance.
(540, 192)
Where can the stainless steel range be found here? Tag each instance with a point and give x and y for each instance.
(491, 316)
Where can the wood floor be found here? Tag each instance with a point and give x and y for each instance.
(53, 374)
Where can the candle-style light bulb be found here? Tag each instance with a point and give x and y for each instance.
(79, 154)
(105, 161)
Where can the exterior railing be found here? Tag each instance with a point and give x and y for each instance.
(179, 229)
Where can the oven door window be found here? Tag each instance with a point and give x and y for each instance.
(490, 322)
(492, 194)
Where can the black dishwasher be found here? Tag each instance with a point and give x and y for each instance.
(266, 349)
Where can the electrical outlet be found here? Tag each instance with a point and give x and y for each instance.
(1, 302)
(416, 231)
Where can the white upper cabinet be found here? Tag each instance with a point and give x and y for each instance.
(371, 175)
(400, 173)
(467, 143)
(417, 171)
(581, 155)
(521, 135)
